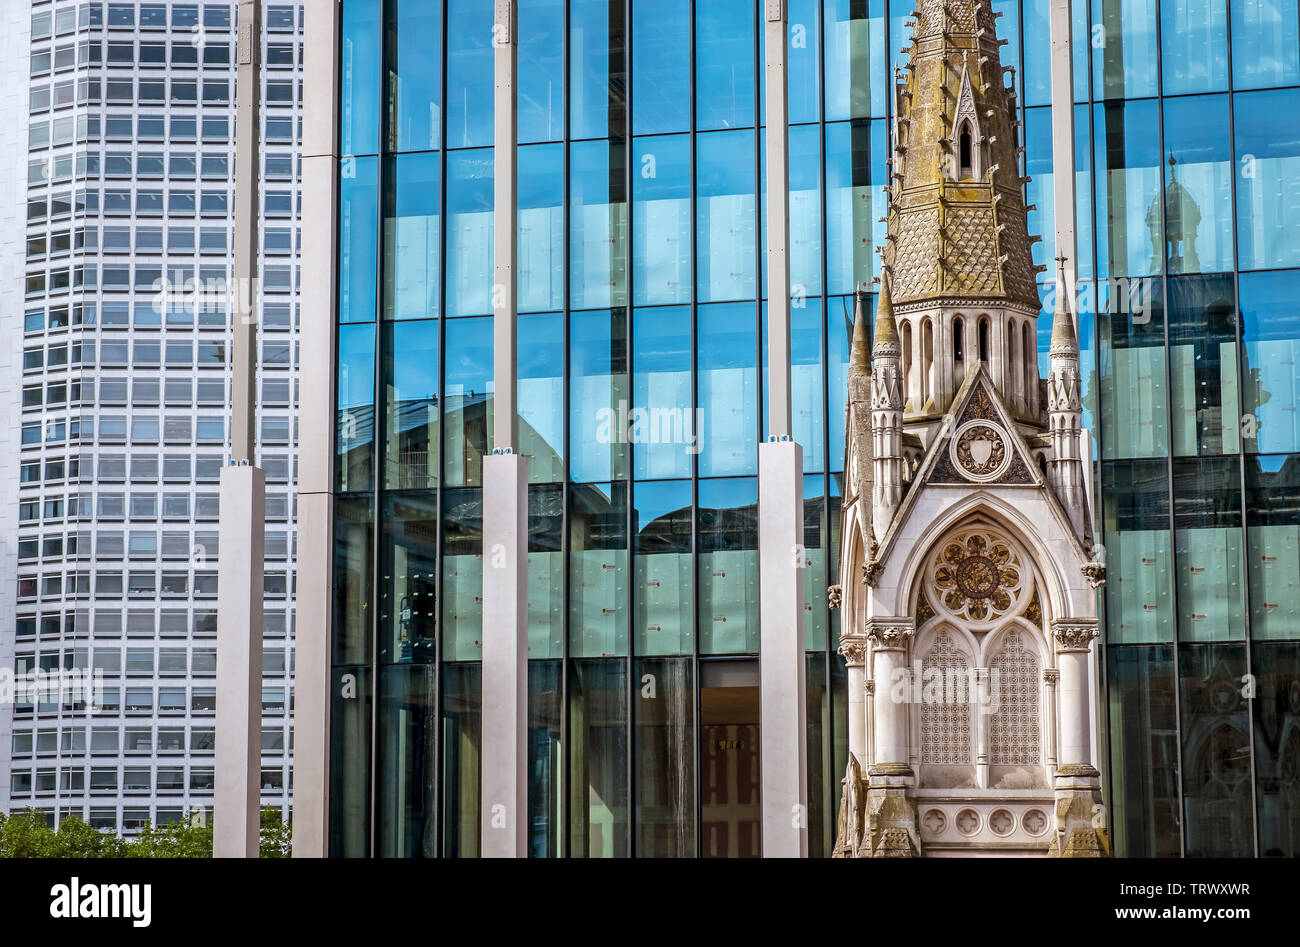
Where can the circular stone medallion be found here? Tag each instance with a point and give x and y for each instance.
(981, 450)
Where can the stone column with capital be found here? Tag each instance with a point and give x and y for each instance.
(891, 814)
(854, 650)
(1080, 819)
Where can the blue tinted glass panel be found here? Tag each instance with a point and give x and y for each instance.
(806, 382)
(410, 391)
(467, 401)
(541, 70)
(358, 240)
(597, 224)
(661, 66)
(725, 216)
(661, 220)
(541, 395)
(1129, 170)
(661, 525)
(1265, 43)
(598, 395)
(1194, 34)
(469, 73)
(1198, 185)
(663, 426)
(360, 73)
(804, 83)
(1268, 165)
(724, 63)
(597, 69)
(1124, 52)
(469, 232)
(415, 75)
(728, 389)
(855, 174)
(412, 237)
(727, 533)
(355, 431)
(1270, 379)
(541, 228)
(857, 79)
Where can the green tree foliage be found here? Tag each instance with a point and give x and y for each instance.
(27, 835)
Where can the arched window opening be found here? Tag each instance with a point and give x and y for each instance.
(958, 340)
(984, 340)
(967, 151)
(945, 723)
(1013, 369)
(927, 361)
(1030, 353)
(907, 355)
(1015, 724)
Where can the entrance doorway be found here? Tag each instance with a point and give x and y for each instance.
(730, 814)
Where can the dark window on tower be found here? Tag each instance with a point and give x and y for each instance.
(967, 164)
(958, 340)
(984, 340)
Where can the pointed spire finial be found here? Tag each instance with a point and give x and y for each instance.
(886, 328)
(860, 349)
(1063, 333)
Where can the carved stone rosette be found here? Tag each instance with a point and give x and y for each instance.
(889, 634)
(1073, 634)
(854, 650)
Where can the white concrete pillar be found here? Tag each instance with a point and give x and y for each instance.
(783, 705)
(504, 803)
(778, 217)
(1073, 642)
(1063, 129)
(236, 815)
(316, 426)
(869, 730)
(893, 691)
(504, 809)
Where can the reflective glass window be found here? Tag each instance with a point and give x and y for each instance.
(597, 224)
(661, 66)
(725, 216)
(414, 75)
(410, 386)
(661, 524)
(1268, 165)
(412, 234)
(727, 566)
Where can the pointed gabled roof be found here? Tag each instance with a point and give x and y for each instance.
(957, 230)
(860, 349)
(886, 337)
(1065, 340)
(978, 398)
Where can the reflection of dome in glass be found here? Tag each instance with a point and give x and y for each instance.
(1181, 223)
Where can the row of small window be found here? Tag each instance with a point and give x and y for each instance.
(139, 584)
(149, 240)
(82, 166)
(186, 53)
(146, 506)
(132, 821)
(145, 391)
(87, 129)
(165, 662)
(153, 16)
(89, 165)
(276, 317)
(114, 352)
(161, 700)
(199, 547)
(150, 430)
(140, 623)
(125, 164)
(132, 740)
(181, 287)
(278, 468)
(151, 203)
(133, 779)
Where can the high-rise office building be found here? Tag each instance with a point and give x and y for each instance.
(117, 132)
(642, 393)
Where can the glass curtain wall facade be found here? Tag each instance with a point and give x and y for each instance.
(641, 281)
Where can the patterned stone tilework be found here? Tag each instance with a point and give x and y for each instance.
(1014, 734)
(971, 252)
(916, 261)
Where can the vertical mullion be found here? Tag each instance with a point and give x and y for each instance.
(1241, 449)
(438, 769)
(1169, 452)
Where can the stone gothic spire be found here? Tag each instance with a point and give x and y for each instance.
(957, 221)
(1065, 410)
(886, 413)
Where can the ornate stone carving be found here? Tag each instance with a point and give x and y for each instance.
(981, 450)
(833, 596)
(854, 650)
(978, 576)
(1073, 634)
(1051, 675)
(1095, 573)
(871, 573)
(888, 635)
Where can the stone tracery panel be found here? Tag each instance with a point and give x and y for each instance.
(1015, 730)
(945, 723)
